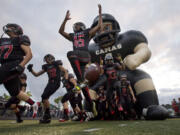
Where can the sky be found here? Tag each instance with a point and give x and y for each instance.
(158, 20)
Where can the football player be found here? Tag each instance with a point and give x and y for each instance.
(54, 70)
(127, 97)
(15, 53)
(80, 56)
(73, 95)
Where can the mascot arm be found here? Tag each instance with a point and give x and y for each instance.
(141, 54)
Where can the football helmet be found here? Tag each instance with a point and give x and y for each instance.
(78, 27)
(49, 58)
(12, 27)
(109, 32)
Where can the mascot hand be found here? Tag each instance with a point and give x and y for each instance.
(141, 55)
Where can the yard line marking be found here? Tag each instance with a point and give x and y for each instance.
(92, 129)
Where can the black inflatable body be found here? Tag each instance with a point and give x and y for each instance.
(112, 43)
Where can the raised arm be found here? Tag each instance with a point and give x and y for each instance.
(61, 29)
(93, 31)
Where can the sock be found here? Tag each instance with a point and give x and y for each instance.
(30, 101)
(18, 115)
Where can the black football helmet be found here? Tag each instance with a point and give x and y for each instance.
(123, 77)
(70, 75)
(81, 26)
(12, 27)
(23, 76)
(49, 58)
(110, 31)
(108, 59)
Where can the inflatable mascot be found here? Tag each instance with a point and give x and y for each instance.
(131, 48)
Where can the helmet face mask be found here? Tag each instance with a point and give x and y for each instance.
(123, 77)
(109, 60)
(78, 27)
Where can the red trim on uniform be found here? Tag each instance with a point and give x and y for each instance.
(77, 64)
(30, 101)
(87, 90)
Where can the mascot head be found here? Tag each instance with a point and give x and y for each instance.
(107, 36)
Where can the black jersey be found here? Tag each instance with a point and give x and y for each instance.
(124, 87)
(10, 48)
(69, 85)
(53, 71)
(123, 46)
(80, 40)
(111, 71)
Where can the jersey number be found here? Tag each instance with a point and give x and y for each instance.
(5, 51)
(52, 72)
(78, 41)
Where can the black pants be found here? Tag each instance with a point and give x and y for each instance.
(50, 89)
(74, 99)
(78, 60)
(9, 78)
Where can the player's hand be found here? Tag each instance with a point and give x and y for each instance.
(68, 15)
(18, 69)
(29, 67)
(100, 9)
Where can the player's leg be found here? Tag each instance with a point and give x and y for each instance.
(64, 101)
(49, 90)
(75, 64)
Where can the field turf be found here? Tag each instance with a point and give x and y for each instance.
(32, 127)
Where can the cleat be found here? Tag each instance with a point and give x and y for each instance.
(19, 121)
(75, 118)
(44, 121)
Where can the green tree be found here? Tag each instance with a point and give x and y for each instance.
(5, 96)
(57, 100)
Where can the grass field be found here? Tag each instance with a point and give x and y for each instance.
(31, 127)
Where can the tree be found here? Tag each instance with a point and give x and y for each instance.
(5, 96)
(57, 100)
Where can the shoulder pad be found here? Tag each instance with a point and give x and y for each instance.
(25, 40)
(59, 62)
